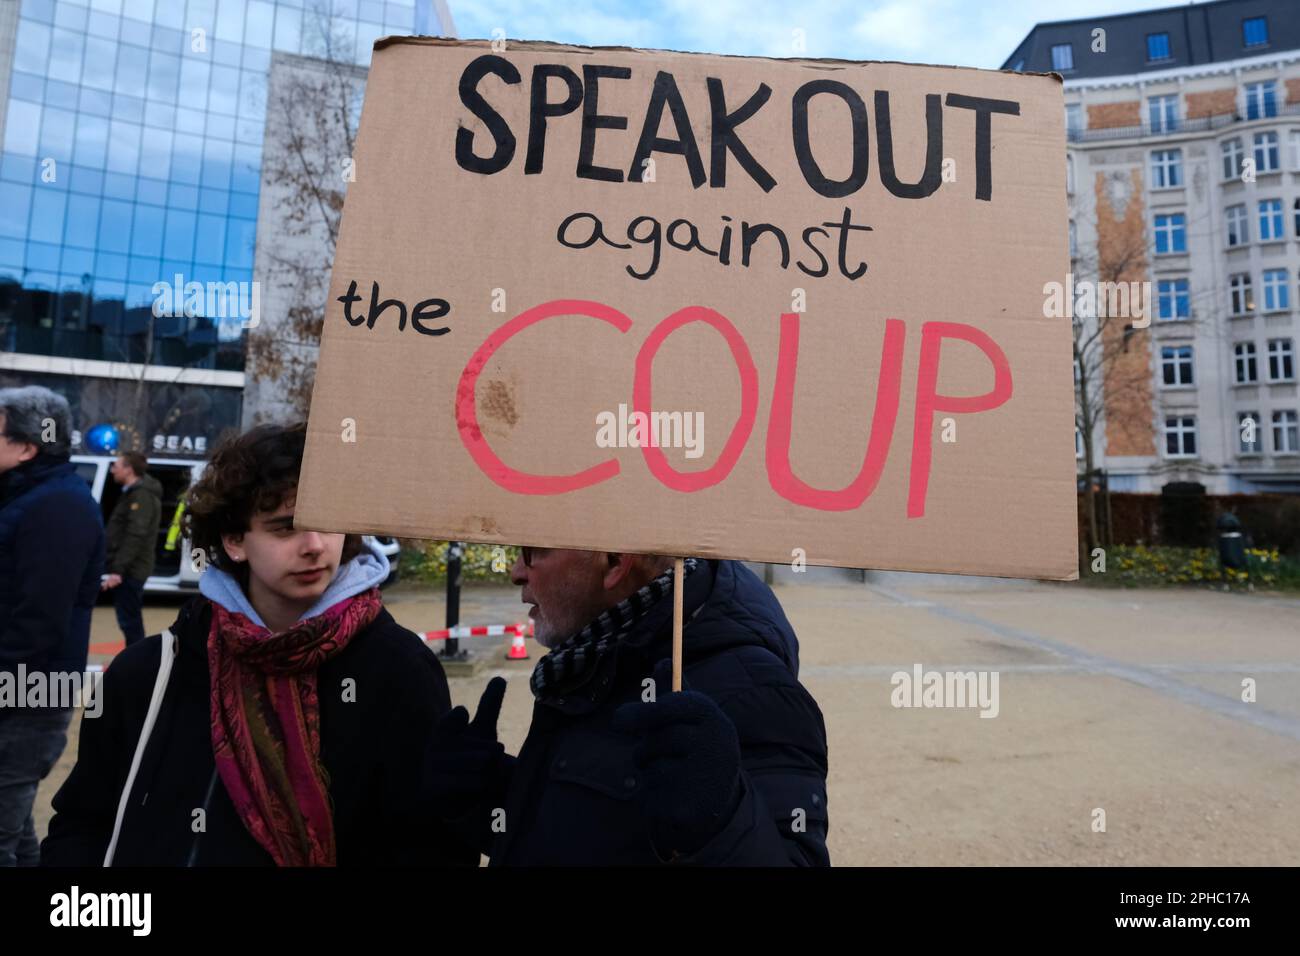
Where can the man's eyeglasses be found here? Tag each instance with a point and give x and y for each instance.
(529, 554)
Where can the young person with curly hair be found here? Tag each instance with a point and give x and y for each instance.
(292, 726)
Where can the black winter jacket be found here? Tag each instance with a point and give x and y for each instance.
(51, 557)
(570, 796)
(371, 747)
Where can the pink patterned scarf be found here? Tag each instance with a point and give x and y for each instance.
(266, 724)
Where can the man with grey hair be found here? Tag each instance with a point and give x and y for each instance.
(619, 769)
(51, 557)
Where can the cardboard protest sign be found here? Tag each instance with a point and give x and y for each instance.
(736, 307)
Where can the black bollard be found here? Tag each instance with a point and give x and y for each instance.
(451, 647)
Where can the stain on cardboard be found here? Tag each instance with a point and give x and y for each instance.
(499, 402)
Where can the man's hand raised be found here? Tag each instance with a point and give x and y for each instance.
(463, 754)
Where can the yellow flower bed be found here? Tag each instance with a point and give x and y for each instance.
(1144, 565)
(426, 561)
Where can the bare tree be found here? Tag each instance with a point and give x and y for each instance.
(1105, 371)
(141, 396)
(1112, 366)
(313, 107)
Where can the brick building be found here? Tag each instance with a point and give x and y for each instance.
(1184, 171)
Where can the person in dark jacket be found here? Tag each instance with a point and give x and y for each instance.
(132, 541)
(616, 767)
(51, 556)
(297, 712)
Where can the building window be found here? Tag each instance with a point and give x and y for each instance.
(1069, 174)
(1276, 293)
(1254, 31)
(1180, 436)
(1238, 230)
(1266, 153)
(1172, 295)
(1281, 360)
(1176, 365)
(1073, 120)
(1297, 218)
(1286, 441)
(1242, 299)
(1162, 113)
(1171, 233)
(1270, 220)
(1074, 241)
(1261, 99)
(1166, 168)
(1248, 433)
(1247, 370)
(1063, 57)
(1295, 150)
(1157, 46)
(1078, 442)
(1232, 156)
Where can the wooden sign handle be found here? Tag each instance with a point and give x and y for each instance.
(678, 574)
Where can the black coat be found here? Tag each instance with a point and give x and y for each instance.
(51, 557)
(371, 748)
(570, 797)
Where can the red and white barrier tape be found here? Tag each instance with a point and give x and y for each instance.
(487, 630)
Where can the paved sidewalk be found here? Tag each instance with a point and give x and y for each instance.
(1129, 702)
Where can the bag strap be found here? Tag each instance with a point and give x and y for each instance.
(166, 659)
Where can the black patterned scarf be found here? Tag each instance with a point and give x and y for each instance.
(572, 662)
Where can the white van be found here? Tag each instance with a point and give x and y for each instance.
(171, 574)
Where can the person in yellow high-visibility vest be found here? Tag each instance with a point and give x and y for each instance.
(174, 532)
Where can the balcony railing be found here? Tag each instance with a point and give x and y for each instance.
(1199, 125)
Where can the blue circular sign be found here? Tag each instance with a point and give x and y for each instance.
(103, 439)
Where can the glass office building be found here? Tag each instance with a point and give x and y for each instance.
(130, 154)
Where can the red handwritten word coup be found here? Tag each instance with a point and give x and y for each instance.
(777, 453)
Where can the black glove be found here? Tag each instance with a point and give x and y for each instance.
(689, 760)
(464, 758)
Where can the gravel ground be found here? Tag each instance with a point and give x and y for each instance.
(1127, 702)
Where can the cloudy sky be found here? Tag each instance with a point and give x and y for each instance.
(979, 33)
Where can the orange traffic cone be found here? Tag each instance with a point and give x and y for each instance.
(518, 650)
